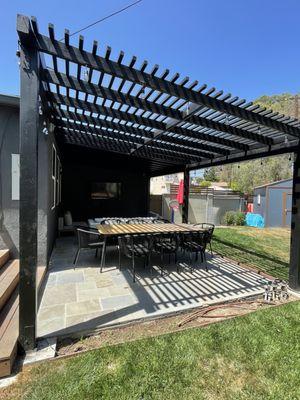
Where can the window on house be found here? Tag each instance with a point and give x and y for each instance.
(258, 199)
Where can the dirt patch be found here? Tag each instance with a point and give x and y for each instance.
(196, 318)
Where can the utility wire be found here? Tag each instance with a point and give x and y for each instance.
(104, 18)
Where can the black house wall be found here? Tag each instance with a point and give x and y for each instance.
(82, 168)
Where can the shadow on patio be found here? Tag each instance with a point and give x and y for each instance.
(79, 300)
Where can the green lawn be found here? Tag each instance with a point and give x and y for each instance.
(251, 357)
(266, 249)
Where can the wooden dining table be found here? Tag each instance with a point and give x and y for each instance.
(111, 230)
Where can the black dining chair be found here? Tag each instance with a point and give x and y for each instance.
(161, 221)
(111, 221)
(166, 244)
(210, 229)
(195, 242)
(133, 247)
(134, 221)
(88, 238)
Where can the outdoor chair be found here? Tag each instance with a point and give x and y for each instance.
(161, 221)
(135, 221)
(88, 238)
(111, 221)
(133, 247)
(210, 229)
(195, 242)
(166, 244)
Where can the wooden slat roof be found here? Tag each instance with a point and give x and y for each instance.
(98, 101)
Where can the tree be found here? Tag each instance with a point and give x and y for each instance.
(249, 174)
(210, 174)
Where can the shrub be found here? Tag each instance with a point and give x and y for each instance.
(234, 218)
(205, 184)
(240, 218)
(229, 218)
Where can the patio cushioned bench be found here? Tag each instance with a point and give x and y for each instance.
(68, 229)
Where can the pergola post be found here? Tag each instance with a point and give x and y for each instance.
(294, 273)
(186, 193)
(29, 127)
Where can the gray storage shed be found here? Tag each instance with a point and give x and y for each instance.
(274, 202)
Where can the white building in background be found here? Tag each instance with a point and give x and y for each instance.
(161, 184)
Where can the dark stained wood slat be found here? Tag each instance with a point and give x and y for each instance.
(133, 140)
(139, 136)
(58, 78)
(108, 66)
(151, 123)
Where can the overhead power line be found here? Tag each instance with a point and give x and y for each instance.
(105, 18)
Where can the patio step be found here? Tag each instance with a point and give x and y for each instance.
(9, 312)
(4, 257)
(9, 277)
(9, 331)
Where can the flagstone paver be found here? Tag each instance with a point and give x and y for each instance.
(82, 298)
(82, 307)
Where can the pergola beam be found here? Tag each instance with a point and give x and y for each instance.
(142, 135)
(252, 154)
(96, 62)
(131, 142)
(148, 122)
(107, 145)
(71, 82)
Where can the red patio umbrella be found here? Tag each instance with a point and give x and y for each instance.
(180, 192)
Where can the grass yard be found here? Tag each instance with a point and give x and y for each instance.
(266, 249)
(252, 357)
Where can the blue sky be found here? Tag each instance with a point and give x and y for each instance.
(247, 48)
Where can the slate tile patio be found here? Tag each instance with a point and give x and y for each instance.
(84, 299)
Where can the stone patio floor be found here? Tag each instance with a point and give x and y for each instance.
(84, 299)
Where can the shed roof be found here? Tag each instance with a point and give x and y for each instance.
(273, 183)
(104, 102)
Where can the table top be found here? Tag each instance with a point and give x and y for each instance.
(131, 229)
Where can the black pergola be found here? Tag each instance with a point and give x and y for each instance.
(166, 122)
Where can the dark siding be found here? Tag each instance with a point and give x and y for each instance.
(9, 209)
(81, 169)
